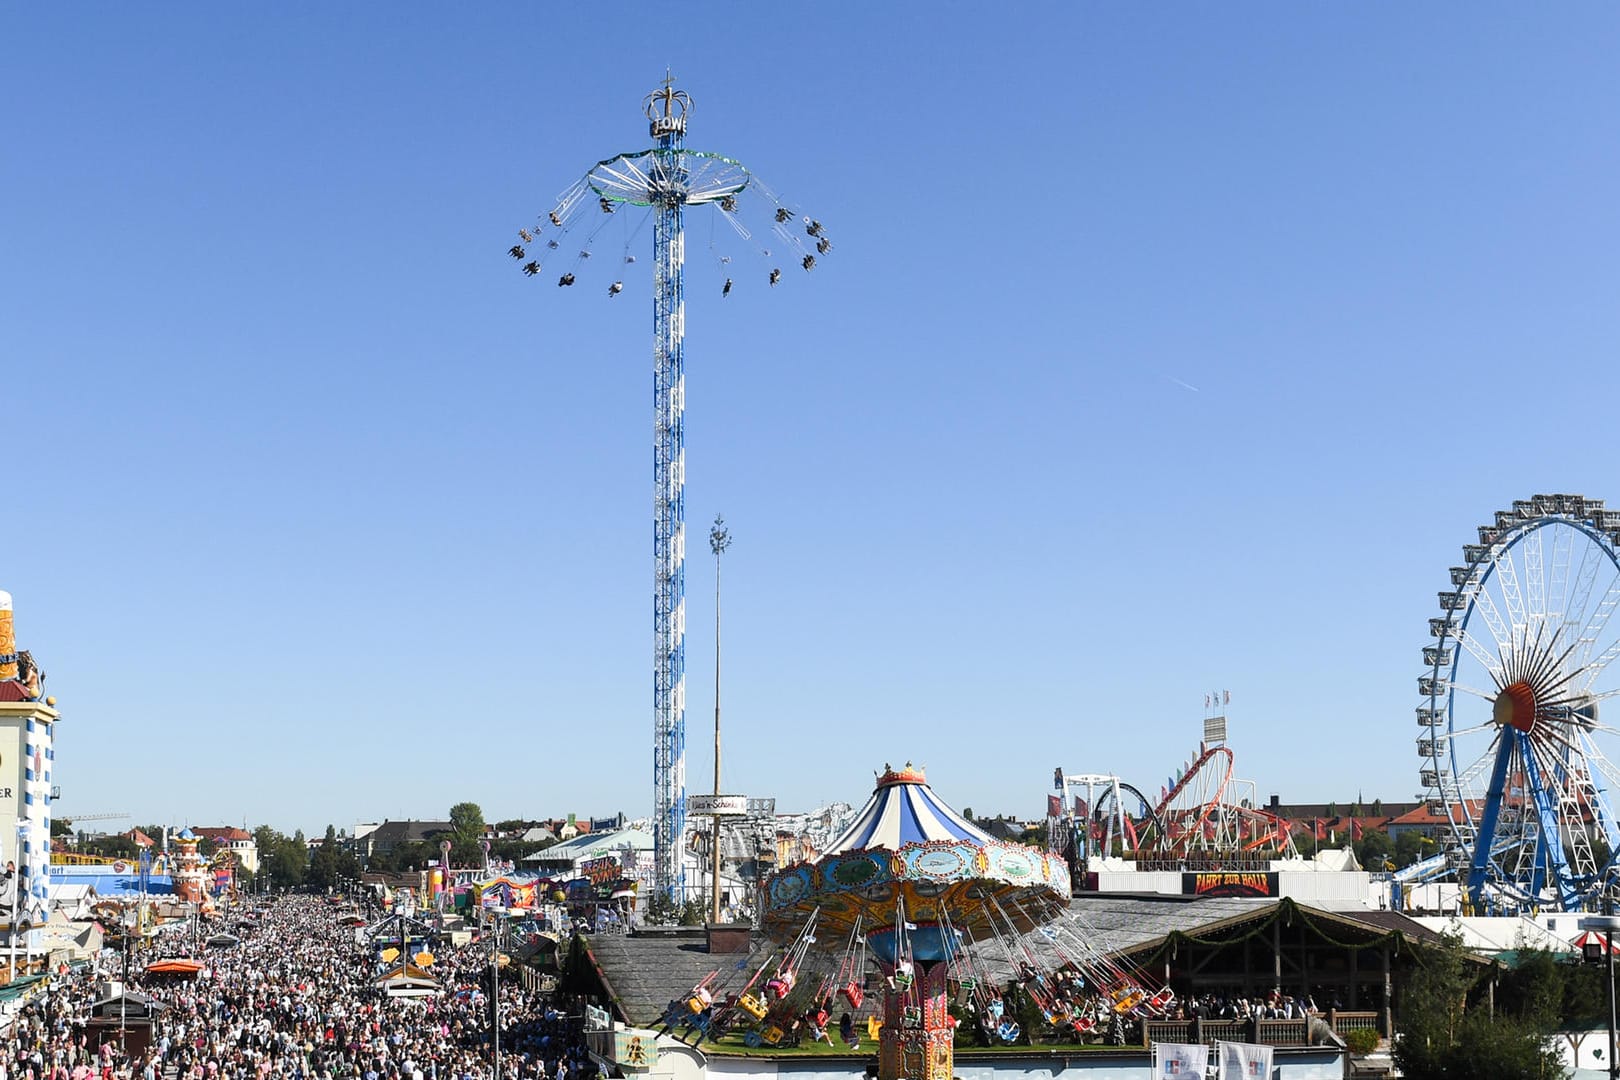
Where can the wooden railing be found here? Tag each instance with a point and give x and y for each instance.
(1281, 1032)
(1294, 1032)
(1168, 1031)
(1346, 1022)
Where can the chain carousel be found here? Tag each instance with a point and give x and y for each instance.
(949, 914)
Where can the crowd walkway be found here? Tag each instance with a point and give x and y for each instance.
(297, 999)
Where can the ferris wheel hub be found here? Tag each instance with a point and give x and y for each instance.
(1515, 707)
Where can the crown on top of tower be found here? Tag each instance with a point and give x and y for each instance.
(909, 774)
(666, 108)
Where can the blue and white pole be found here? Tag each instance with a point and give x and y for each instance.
(666, 112)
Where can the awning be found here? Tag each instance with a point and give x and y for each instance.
(1595, 938)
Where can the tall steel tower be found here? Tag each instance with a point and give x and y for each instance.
(664, 182)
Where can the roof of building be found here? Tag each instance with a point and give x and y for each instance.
(227, 833)
(594, 845)
(404, 832)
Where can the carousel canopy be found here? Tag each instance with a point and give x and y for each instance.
(904, 810)
(909, 853)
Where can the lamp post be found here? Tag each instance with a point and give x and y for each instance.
(719, 541)
(1607, 925)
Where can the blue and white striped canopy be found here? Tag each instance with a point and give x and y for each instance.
(904, 810)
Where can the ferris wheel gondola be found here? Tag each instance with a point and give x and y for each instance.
(1511, 743)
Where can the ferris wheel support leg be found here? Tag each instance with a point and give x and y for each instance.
(1550, 845)
(1483, 841)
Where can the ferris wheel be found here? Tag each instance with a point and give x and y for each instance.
(1511, 742)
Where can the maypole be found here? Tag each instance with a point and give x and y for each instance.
(665, 182)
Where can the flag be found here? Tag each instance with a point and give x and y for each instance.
(1130, 831)
(1057, 778)
(1206, 701)
(1320, 832)
(1355, 829)
(1244, 1061)
(1226, 697)
(1079, 807)
(1164, 793)
(1054, 806)
(1179, 1061)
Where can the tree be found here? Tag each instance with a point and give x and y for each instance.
(1374, 850)
(1410, 847)
(1378, 808)
(1442, 1038)
(466, 830)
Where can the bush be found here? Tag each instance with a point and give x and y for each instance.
(1361, 1041)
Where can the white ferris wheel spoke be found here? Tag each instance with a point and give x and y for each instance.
(1535, 583)
(1598, 620)
(1558, 580)
(1489, 659)
(1484, 695)
(1485, 604)
(1507, 574)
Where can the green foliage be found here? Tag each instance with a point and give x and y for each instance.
(61, 827)
(1332, 810)
(1442, 1038)
(1378, 808)
(283, 860)
(466, 830)
(1412, 846)
(1361, 1040)
(332, 864)
(1374, 849)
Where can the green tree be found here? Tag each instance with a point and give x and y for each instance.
(1442, 1038)
(1412, 846)
(1374, 849)
(1378, 808)
(466, 830)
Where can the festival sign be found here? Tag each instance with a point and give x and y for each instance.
(717, 805)
(602, 871)
(1230, 883)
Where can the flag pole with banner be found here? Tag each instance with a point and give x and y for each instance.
(1180, 1061)
(1244, 1061)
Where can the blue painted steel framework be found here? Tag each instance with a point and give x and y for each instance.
(669, 180)
(1514, 753)
(667, 187)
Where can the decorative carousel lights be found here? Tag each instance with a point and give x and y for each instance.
(952, 917)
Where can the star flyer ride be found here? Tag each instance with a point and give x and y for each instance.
(947, 912)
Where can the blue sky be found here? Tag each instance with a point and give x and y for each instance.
(1164, 349)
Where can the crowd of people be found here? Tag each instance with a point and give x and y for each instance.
(298, 998)
(1235, 1006)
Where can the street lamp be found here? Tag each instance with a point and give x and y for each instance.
(719, 541)
(1607, 925)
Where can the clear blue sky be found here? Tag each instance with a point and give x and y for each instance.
(319, 512)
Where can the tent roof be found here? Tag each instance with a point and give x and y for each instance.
(904, 810)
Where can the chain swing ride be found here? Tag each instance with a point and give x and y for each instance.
(948, 914)
(752, 235)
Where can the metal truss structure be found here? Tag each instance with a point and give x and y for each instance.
(1510, 740)
(664, 183)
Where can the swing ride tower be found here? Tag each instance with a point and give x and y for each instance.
(668, 182)
(667, 178)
